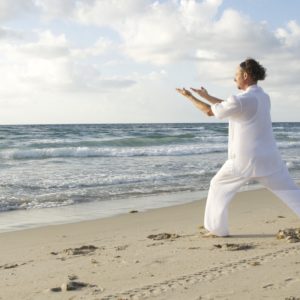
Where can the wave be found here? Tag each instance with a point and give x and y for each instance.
(293, 164)
(134, 141)
(17, 204)
(111, 151)
(150, 140)
(288, 145)
(130, 142)
(117, 151)
(100, 182)
(63, 199)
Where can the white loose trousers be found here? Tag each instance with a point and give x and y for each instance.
(225, 184)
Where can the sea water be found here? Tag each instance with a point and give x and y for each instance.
(64, 173)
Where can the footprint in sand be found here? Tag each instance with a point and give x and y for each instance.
(163, 236)
(72, 277)
(9, 266)
(267, 286)
(72, 285)
(121, 248)
(69, 286)
(234, 247)
(156, 244)
(254, 263)
(83, 250)
(12, 266)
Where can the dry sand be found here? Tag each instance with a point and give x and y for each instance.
(129, 257)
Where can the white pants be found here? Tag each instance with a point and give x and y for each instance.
(225, 184)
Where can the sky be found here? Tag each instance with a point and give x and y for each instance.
(119, 61)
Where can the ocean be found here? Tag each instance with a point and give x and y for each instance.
(53, 174)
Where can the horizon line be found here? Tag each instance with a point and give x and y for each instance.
(127, 123)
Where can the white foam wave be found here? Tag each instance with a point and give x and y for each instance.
(287, 145)
(293, 164)
(122, 179)
(7, 204)
(111, 151)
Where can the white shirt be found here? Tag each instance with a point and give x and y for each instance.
(251, 144)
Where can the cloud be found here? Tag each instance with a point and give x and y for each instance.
(101, 46)
(9, 34)
(169, 31)
(56, 7)
(113, 13)
(48, 46)
(12, 9)
(88, 78)
(155, 32)
(52, 64)
(290, 36)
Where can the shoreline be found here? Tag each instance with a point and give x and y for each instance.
(117, 258)
(35, 218)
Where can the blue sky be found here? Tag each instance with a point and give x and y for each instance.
(112, 61)
(275, 12)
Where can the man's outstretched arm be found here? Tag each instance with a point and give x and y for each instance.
(204, 94)
(204, 107)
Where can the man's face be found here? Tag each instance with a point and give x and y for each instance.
(239, 78)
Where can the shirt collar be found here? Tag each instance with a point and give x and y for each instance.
(252, 87)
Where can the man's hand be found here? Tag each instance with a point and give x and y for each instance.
(184, 92)
(201, 92)
(198, 103)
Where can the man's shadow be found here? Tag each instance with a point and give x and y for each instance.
(251, 236)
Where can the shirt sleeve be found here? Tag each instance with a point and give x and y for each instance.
(227, 108)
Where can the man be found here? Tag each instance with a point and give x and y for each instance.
(252, 150)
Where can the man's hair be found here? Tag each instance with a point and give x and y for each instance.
(254, 69)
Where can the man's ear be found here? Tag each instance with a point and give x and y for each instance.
(245, 75)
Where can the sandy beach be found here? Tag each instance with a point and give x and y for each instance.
(157, 254)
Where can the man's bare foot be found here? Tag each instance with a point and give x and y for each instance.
(209, 235)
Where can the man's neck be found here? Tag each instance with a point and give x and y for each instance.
(249, 85)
